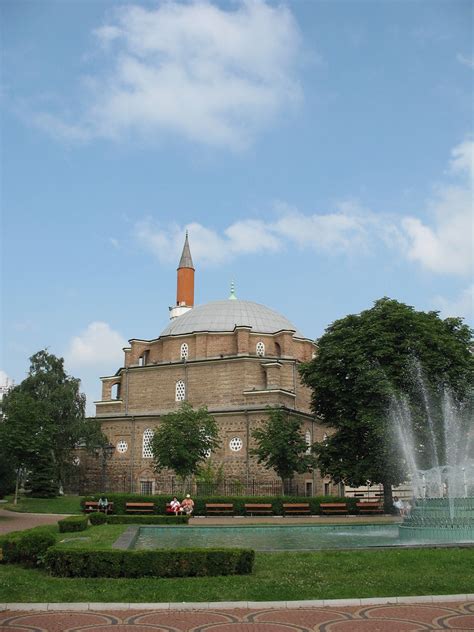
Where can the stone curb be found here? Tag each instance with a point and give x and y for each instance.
(231, 605)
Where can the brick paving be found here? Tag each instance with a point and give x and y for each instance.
(401, 617)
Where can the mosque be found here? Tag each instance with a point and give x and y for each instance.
(237, 358)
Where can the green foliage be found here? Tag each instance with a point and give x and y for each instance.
(183, 440)
(42, 480)
(72, 523)
(152, 563)
(281, 445)
(44, 419)
(97, 518)
(148, 519)
(362, 361)
(27, 547)
(7, 472)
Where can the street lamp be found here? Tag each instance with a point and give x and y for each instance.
(105, 452)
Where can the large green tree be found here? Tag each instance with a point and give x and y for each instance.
(281, 445)
(362, 362)
(184, 440)
(44, 422)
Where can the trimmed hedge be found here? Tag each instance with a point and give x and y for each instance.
(97, 518)
(153, 563)
(27, 547)
(239, 502)
(150, 519)
(73, 523)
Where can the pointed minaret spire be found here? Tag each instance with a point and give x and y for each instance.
(185, 284)
(232, 296)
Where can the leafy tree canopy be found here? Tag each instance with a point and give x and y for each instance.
(281, 445)
(184, 440)
(44, 419)
(362, 361)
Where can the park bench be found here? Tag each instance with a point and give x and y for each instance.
(139, 507)
(295, 508)
(91, 506)
(259, 509)
(369, 507)
(333, 508)
(219, 508)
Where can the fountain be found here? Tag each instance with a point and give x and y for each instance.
(443, 489)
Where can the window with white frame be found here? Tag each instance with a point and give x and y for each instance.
(180, 391)
(184, 351)
(260, 349)
(236, 444)
(122, 446)
(307, 438)
(147, 437)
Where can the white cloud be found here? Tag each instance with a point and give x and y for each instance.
(446, 246)
(211, 75)
(465, 60)
(462, 305)
(98, 346)
(5, 379)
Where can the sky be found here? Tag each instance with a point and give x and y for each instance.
(320, 153)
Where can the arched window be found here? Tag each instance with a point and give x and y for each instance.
(277, 350)
(180, 391)
(307, 438)
(184, 351)
(260, 349)
(143, 359)
(147, 437)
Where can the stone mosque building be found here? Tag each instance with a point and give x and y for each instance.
(236, 357)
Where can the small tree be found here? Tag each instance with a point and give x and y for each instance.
(184, 440)
(282, 447)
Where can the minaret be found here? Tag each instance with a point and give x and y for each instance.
(185, 284)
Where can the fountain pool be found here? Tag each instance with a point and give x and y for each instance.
(275, 538)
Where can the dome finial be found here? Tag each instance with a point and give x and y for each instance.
(232, 296)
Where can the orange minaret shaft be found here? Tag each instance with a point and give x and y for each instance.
(185, 285)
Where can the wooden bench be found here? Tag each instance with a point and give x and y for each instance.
(295, 508)
(259, 509)
(219, 508)
(369, 507)
(333, 508)
(139, 507)
(91, 506)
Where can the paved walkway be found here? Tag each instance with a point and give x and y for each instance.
(456, 614)
(16, 521)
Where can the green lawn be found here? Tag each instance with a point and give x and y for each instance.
(97, 537)
(277, 576)
(59, 505)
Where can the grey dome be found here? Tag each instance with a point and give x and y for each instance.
(226, 315)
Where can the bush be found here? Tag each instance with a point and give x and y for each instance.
(73, 523)
(152, 563)
(97, 518)
(27, 547)
(149, 519)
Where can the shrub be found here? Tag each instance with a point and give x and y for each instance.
(72, 523)
(97, 518)
(27, 547)
(149, 519)
(152, 563)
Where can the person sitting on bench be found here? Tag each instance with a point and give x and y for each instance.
(175, 506)
(187, 505)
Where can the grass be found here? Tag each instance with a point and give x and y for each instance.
(99, 537)
(59, 505)
(277, 576)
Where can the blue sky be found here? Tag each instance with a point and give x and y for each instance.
(320, 154)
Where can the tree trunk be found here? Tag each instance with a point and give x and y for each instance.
(17, 486)
(387, 496)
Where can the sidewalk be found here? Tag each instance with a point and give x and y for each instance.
(409, 614)
(16, 521)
